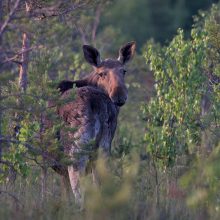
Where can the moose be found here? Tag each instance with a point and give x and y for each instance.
(92, 115)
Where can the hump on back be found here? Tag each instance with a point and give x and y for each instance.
(91, 118)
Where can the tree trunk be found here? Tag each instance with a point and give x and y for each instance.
(96, 23)
(1, 15)
(206, 142)
(1, 18)
(66, 193)
(1, 21)
(43, 183)
(23, 73)
(0, 128)
(23, 79)
(23, 76)
(157, 187)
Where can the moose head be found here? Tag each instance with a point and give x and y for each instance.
(109, 74)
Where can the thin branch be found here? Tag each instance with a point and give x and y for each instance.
(52, 11)
(47, 11)
(13, 59)
(5, 24)
(38, 151)
(96, 22)
(66, 11)
(23, 70)
(12, 196)
(28, 146)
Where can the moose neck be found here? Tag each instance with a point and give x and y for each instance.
(91, 80)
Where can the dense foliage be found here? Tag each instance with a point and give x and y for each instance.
(157, 19)
(165, 154)
(183, 118)
(184, 72)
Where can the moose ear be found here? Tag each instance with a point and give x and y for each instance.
(91, 55)
(127, 52)
(65, 85)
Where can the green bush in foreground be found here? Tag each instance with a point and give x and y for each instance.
(184, 73)
(184, 116)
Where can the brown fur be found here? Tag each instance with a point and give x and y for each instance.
(91, 118)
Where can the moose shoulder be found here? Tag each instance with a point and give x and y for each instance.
(94, 110)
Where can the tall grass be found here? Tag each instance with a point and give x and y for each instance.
(131, 188)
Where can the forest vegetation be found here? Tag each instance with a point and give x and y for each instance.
(165, 159)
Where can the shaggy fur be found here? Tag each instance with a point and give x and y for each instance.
(91, 116)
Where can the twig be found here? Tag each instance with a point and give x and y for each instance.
(28, 146)
(58, 13)
(12, 196)
(43, 153)
(51, 11)
(5, 24)
(96, 22)
(13, 59)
